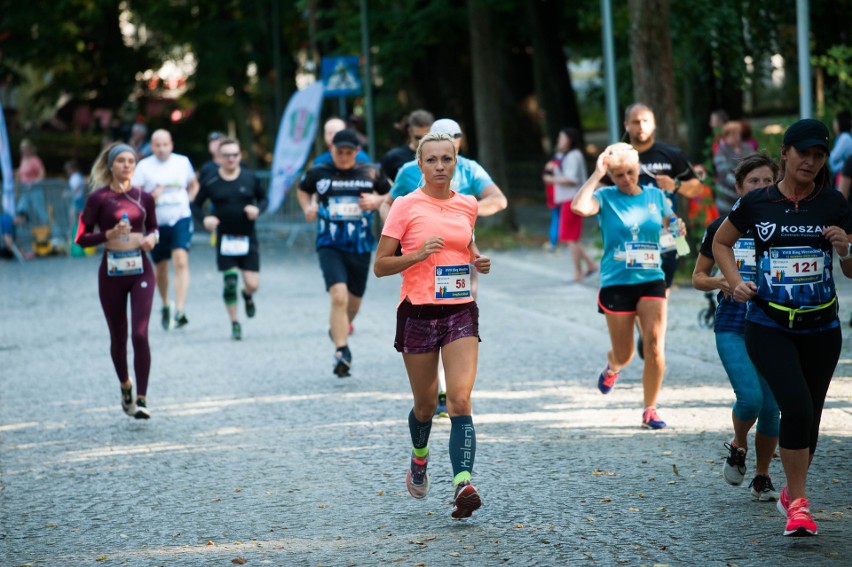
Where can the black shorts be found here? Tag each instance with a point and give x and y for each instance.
(350, 268)
(670, 262)
(623, 299)
(428, 328)
(249, 263)
(172, 237)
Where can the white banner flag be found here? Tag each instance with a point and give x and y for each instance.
(295, 139)
(6, 171)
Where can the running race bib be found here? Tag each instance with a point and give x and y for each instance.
(234, 245)
(127, 263)
(796, 265)
(667, 240)
(452, 282)
(172, 197)
(642, 255)
(344, 208)
(744, 255)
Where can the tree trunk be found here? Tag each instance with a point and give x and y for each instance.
(652, 63)
(487, 95)
(555, 92)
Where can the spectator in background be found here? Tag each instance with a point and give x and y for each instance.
(31, 203)
(549, 194)
(419, 122)
(8, 247)
(138, 140)
(211, 167)
(842, 144)
(845, 179)
(718, 118)
(567, 178)
(748, 137)
(730, 151)
(332, 126)
(77, 191)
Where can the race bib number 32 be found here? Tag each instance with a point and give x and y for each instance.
(128, 263)
(452, 282)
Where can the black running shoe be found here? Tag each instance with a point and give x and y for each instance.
(180, 319)
(342, 363)
(166, 320)
(141, 409)
(127, 404)
(250, 308)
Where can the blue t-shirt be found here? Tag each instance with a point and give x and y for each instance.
(325, 157)
(470, 178)
(341, 223)
(633, 219)
(730, 314)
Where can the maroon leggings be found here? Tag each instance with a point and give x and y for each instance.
(113, 291)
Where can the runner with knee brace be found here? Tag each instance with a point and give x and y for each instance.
(238, 199)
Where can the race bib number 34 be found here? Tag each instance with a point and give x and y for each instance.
(796, 265)
(642, 255)
(452, 282)
(128, 263)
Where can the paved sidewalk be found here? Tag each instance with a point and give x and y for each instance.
(256, 451)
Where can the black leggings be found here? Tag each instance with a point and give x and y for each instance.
(113, 291)
(798, 369)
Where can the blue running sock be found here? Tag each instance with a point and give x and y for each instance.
(462, 445)
(419, 432)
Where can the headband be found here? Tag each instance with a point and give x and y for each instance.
(113, 153)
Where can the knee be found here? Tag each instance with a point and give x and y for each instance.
(339, 297)
(459, 405)
(424, 410)
(231, 280)
(748, 404)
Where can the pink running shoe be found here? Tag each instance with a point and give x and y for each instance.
(606, 380)
(783, 503)
(650, 419)
(467, 501)
(417, 479)
(799, 520)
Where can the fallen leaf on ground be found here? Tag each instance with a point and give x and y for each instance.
(102, 558)
(239, 561)
(210, 543)
(674, 470)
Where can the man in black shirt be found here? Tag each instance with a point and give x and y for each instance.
(238, 199)
(419, 122)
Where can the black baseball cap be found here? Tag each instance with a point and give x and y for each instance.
(345, 139)
(806, 134)
(215, 136)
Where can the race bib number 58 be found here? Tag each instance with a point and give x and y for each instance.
(452, 282)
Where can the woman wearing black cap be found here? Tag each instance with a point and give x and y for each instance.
(792, 332)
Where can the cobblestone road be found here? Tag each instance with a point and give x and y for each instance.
(256, 452)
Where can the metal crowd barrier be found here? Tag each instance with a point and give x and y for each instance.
(51, 219)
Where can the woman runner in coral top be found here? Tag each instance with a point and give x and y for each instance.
(437, 312)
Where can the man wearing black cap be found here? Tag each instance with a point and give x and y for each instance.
(343, 195)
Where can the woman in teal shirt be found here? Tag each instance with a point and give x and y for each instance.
(632, 280)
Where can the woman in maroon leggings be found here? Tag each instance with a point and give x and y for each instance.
(127, 227)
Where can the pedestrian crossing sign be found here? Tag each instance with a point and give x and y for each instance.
(341, 76)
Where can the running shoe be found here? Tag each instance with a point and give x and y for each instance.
(734, 468)
(141, 409)
(417, 479)
(783, 503)
(606, 380)
(236, 331)
(762, 489)
(127, 402)
(180, 319)
(167, 320)
(441, 410)
(800, 523)
(250, 307)
(466, 501)
(650, 419)
(342, 363)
